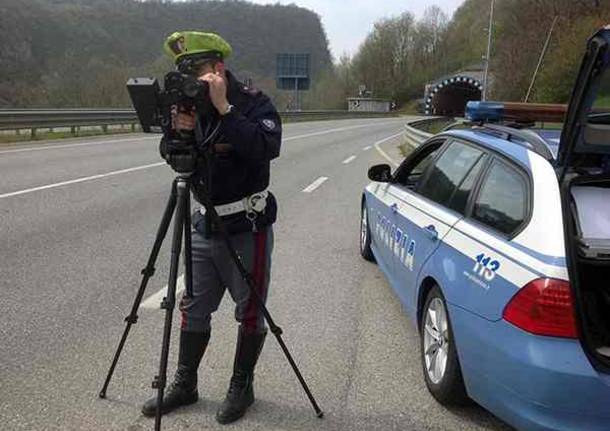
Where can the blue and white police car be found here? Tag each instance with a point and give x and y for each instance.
(496, 239)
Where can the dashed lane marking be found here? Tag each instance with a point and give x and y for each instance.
(367, 148)
(317, 183)
(349, 160)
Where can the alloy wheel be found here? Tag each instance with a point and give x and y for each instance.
(436, 340)
(364, 223)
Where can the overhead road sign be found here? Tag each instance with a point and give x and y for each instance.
(293, 71)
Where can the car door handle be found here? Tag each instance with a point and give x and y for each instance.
(394, 208)
(432, 232)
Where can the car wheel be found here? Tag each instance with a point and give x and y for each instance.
(442, 370)
(365, 235)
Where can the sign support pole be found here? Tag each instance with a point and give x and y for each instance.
(489, 40)
(296, 95)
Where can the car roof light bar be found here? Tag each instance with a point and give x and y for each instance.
(494, 112)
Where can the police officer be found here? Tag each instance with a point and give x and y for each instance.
(250, 136)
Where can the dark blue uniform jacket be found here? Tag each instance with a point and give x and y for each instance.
(253, 132)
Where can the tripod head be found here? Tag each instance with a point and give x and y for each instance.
(182, 164)
(185, 150)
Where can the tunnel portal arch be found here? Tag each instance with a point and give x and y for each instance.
(448, 97)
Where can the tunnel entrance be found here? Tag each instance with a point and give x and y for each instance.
(449, 97)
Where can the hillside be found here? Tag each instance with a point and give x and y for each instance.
(64, 53)
(402, 54)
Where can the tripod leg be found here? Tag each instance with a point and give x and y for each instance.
(147, 273)
(188, 261)
(170, 300)
(276, 330)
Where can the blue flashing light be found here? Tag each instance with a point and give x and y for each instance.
(484, 111)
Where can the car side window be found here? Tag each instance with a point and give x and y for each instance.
(449, 171)
(412, 172)
(502, 202)
(459, 200)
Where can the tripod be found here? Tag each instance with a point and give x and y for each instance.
(179, 202)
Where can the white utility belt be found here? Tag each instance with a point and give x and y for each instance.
(252, 205)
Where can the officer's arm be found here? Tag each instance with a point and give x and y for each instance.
(258, 137)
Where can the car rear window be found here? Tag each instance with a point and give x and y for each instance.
(449, 171)
(502, 203)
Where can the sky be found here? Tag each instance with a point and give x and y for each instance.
(347, 23)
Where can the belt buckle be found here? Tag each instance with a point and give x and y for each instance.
(257, 202)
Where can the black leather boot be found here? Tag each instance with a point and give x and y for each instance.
(183, 390)
(241, 394)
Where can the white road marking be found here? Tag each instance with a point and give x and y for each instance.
(367, 148)
(349, 160)
(137, 168)
(80, 180)
(340, 129)
(317, 183)
(81, 144)
(153, 302)
(383, 153)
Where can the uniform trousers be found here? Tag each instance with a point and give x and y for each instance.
(214, 271)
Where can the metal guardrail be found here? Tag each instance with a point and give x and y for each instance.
(414, 135)
(419, 131)
(33, 119)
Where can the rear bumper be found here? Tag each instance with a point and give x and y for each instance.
(534, 383)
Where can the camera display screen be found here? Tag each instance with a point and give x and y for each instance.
(144, 94)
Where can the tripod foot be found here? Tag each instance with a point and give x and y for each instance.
(102, 395)
(320, 414)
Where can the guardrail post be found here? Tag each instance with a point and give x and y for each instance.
(105, 128)
(73, 130)
(33, 134)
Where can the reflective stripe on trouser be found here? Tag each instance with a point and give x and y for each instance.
(214, 271)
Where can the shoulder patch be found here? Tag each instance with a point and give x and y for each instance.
(269, 124)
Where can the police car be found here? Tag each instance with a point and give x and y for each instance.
(496, 239)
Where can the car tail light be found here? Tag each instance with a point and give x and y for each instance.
(544, 307)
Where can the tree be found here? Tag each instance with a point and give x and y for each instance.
(401, 55)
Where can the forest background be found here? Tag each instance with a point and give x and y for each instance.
(79, 53)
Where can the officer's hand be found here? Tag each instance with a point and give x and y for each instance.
(183, 120)
(218, 91)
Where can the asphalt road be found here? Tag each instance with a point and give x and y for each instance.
(72, 248)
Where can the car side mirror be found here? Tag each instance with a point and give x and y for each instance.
(380, 173)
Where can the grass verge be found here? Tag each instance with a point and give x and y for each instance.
(14, 138)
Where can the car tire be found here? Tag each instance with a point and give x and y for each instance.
(365, 235)
(440, 363)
